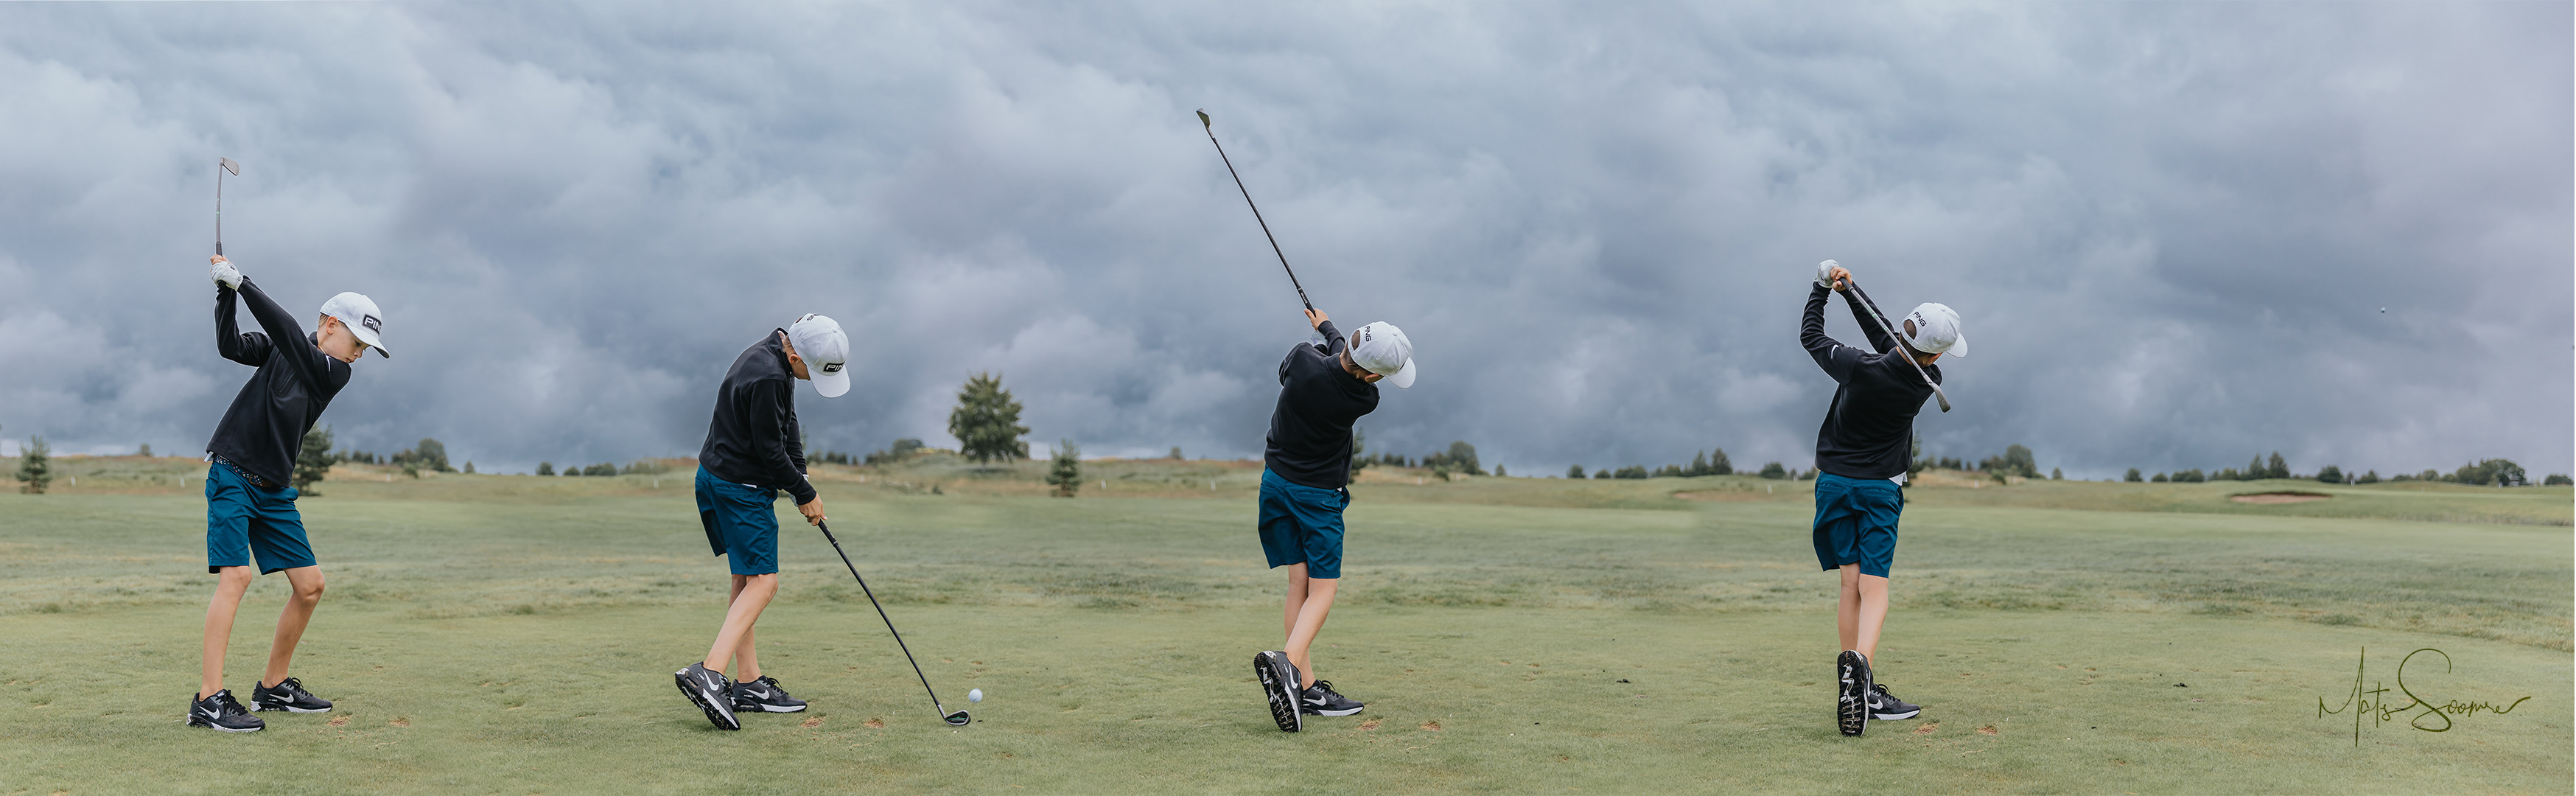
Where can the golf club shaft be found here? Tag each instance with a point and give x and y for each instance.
(219, 210)
(1256, 211)
(889, 621)
(1890, 330)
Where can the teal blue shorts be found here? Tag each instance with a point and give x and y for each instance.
(1302, 525)
(741, 523)
(1856, 522)
(243, 518)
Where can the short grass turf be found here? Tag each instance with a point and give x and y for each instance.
(499, 635)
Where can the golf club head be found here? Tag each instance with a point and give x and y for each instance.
(229, 165)
(957, 719)
(1204, 121)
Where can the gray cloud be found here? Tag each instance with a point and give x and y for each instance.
(2170, 227)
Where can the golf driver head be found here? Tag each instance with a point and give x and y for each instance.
(1204, 121)
(957, 719)
(229, 165)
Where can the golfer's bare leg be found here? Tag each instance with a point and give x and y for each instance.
(1296, 600)
(230, 583)
(1863, 611)
(746, 665)
(307, 582)
(747, 605)
(1310, 621)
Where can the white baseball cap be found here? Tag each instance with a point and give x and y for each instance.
(826, 351)
(1382, 349)
(1936, 330)
(359, 313)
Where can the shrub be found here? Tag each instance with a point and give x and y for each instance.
(602, 468)
(1630, 471)
(1065, 474)
(2191, 476)
(36, 466)
(2055, 474)
(2160, 477)
(1498, 472)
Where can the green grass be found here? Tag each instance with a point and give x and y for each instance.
(523, 629)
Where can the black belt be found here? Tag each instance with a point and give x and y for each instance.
(229, 465)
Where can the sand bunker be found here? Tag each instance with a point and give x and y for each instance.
(2280, 497)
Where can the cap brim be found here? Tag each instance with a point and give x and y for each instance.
(832, 385)
(1404, 378)
(1959, 347)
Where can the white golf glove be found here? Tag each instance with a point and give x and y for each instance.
(1824, 271)
(225, 274)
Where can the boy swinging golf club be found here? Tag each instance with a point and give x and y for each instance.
(250, 509)
(1861, 453)
(754, 449)
(1323, 389)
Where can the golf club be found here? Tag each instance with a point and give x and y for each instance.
(1256, 209)
(958, 718)
(1880, 316)
(222, 165)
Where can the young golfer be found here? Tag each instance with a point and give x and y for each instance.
(1323, 389)
(754, 449)
(250, 510)
(1862, 451)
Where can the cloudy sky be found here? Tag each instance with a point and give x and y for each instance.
(2171, 228)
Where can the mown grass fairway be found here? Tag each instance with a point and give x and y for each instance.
(516, 635)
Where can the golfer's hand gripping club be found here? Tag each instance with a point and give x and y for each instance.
(1210, 126)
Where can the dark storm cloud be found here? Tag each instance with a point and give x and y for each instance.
(2170, 227)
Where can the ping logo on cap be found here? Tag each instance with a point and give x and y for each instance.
(831, 367)
(372, 324)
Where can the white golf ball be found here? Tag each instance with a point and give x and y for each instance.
(975, 695)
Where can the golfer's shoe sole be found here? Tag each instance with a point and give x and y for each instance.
(291, 709)
(740, 707)
(1280, 687)
(1322, 712)
(723, 719)
(1851, 702)
(222, 728)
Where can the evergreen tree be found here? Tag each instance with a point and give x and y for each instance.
(1359, 452)
(1717, 463)
(2055, 474)
(986, 422)
(36, 466)
(1698, 465)
(1066, 472)
(313, 462)
(1498, 472)
(2279, 467)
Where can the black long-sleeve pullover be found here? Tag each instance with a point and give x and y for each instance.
(1869, 430)
(264, 429)
(754, 439)
(1310, 431)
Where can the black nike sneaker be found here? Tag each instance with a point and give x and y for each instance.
(711, 691)
(222, 713)
(1321, 700)
(1279, 684)
(1851, 703)
(288, 695)
(1884, 706)
(764, 696)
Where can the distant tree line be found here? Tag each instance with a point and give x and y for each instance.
(1709, 462)
(2485, 472)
